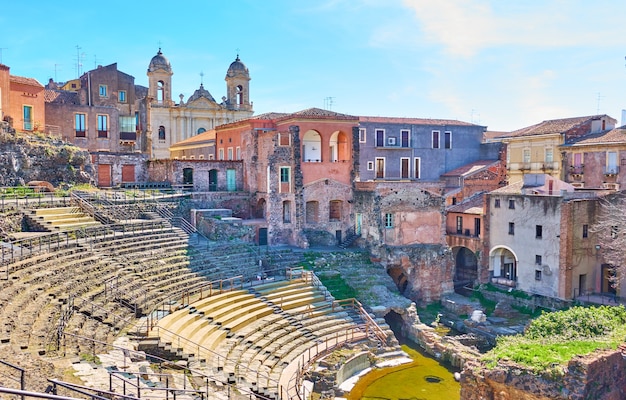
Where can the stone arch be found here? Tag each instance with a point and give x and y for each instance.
(503, 265)
(399, 278)
(338, 147)
(465, 266)
(261, 207)
(312, 146)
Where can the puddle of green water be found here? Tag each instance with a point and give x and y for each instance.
(423, 379)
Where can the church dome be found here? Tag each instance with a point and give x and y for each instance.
(201, 92)
(159, 62)
(237, 68)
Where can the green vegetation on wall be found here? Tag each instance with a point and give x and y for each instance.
(551, 340)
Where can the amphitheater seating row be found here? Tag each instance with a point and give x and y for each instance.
(253, 334)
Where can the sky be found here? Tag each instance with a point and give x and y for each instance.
(503, 64)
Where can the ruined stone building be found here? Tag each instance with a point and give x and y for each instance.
(594, 161)
(540, 238)
(300, 168)
(169, 122)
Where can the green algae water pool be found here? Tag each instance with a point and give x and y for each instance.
(423, 379)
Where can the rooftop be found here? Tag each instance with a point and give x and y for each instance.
(415, 121)
(552, 126)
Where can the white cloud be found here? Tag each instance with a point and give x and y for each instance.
(465, 27)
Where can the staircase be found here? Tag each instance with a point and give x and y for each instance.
(59, 219)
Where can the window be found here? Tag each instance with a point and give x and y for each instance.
(447, 140)
(312, 208)
(549, 155)
(459, 224)
(221, 154)
(103, 123)
(538, 231)
(476, 226)
(417, 173)
(526, 156)
(286, 212)
(511, 204)
(380, 167)
(405, 165)
(496, 203)
(370, 165)
(284, 174)
(102, 90)
(611, 162)
(537, 274)
(435, 142)
(238, 153)
(362, 135)
(284, 139)
(585, 231)
(380, 137)
(161, 133)
(121, 96)
(614, 231)
(334, 210)
(511, 228)
(230, 153)
(201, 130)
(28, 118)
(538, 260)
(388, 220)
(404, 138)
(578, 160)
(79, 125)
(211, 157)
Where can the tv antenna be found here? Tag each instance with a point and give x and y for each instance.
(79, 60)
(328, 103)
(598, 106)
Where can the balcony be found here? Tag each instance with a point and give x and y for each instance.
(549, 166)
(611, 171)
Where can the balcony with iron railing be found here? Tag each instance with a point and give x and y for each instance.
(611, 170)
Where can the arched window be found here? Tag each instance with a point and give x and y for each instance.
(161, 132)
(201, 130)
(160, 92)
(312, 147)
(286, 211)
(239, 95)
(312, 212)
(334, 210)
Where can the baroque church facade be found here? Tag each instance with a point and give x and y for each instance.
(168, 122)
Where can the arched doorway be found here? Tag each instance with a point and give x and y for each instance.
(213, 180)
(260, 209)
(338, 146)
(399, 278)
(188, 179)
(503, 265)
(466, 266)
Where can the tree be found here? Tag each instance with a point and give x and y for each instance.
(610, 232)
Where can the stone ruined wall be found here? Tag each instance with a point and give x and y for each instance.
(427, 271)
(598, 376)
(25, 158)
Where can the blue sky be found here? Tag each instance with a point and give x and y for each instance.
(503, 64)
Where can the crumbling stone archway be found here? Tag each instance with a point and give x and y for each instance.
(465, 266)
(260, 208)
(399, 278)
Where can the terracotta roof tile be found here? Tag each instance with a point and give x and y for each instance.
(24, 80)
(202, 137)
(61, 97)
(614, 136)
(471, 205)
(415, 121)
(317, 113)
(551, 126)
(471, 168)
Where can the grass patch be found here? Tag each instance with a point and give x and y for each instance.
(513, 293)
(551, 340)
(338, 287)
(488, 305)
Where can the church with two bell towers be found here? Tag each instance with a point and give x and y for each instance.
(169, 122)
